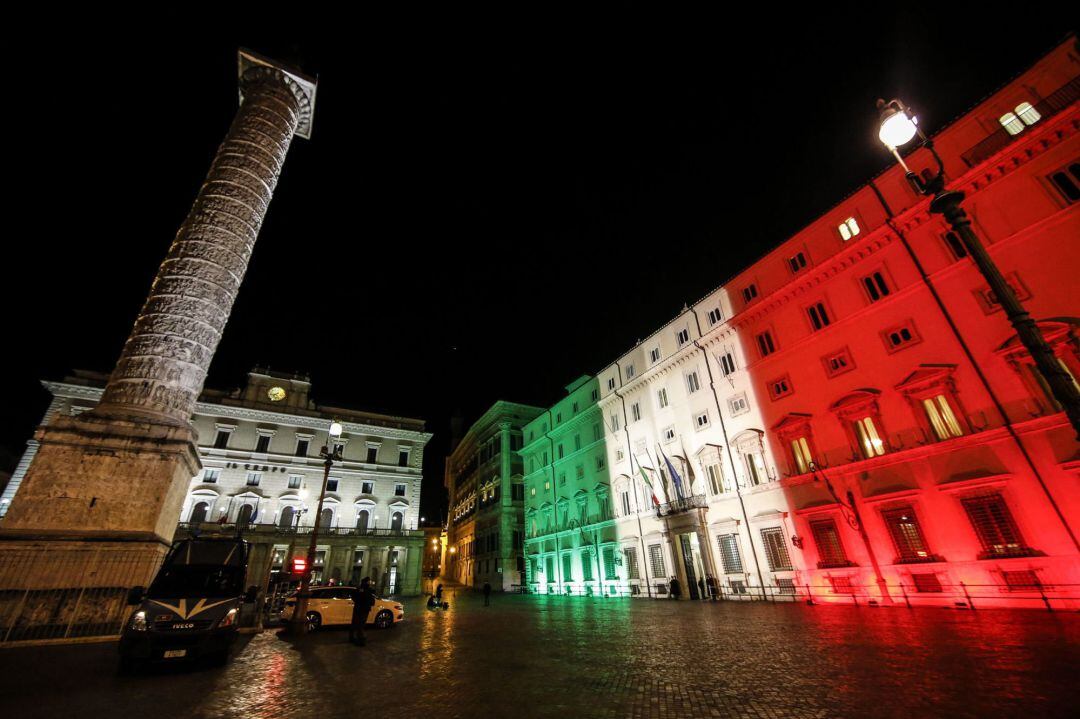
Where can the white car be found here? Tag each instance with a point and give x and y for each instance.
(330, 606)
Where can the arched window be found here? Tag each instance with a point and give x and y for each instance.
(244, 515)
(395, 521)
(362, 518)
(199, 512)
(326, 519)
(286, 518)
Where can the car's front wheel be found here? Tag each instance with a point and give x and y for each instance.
(314, 621)
(383, 619)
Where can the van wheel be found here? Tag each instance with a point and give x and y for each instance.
(314, 621)
(384, 619)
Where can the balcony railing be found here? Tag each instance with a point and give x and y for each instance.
(269, 529)
(1049, 106)
(678, 506)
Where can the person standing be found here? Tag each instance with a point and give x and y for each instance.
(363, 600)
(711, 583)
(487, 594)
(438, 593)
(676, 588)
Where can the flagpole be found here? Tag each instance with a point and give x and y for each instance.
(641, 530)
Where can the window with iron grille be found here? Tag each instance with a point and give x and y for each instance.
(568, 567)
(609, 563)
(549, 568)
(729, 553)
(786, 586)
(907, 535)
(632, 569)
(776, 549)
(1023, 580)
(656, 561)
(586, 566)
(926, 583)
(841, 585)
(830, 548)
(994, 524)
(738, 586)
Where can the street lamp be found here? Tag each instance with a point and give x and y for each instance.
(898, 127)
(329, 453)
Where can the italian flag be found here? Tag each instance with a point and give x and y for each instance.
(648, 483)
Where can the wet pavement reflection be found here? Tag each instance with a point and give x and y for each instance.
(581, 657)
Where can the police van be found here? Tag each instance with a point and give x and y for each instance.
(192, 608)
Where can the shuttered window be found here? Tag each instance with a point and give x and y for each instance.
(776, 549)
(830, 549)
(906, 534)
(609, 563)
(632, 570)
(656, 561)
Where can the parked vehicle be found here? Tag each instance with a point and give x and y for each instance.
(192, 607)
(333, 606)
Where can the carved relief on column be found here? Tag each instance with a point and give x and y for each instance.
(164, 362)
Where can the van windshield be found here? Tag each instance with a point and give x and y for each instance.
(194, 580)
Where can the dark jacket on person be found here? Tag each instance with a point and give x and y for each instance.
(363, 600)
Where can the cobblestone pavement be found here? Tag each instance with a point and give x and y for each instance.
(578, 657)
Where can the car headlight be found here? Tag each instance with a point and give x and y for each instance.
(229, 619)
(138, 621)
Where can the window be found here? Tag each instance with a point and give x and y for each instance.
(632, 569)
(779, 387)
(941, 417)
(611, 383)
(988, 299)
(955, 245)
(339, 449)
(579, 471)
(302, 447)
(848, 229)
(749, 292)
(870, 442)
(900, 337)
(750, 449)
(800, 452)
(210, 476)
(661, 397)
(619, 455)
(624, 499)
(586, 566)
(221, 439)
(372, 454)
(635, 412)
(295, 480)
(594, 395)
(403, 458)
(568, 567)
(785, 585)
(926, 583)
(656, 561)
(796, 263)
(253, 479)
(765, 343)
(738, 586)
(577, 442)
(727, 363)
(1011, 123)
(629, 371)
(701, 421)
(1067, 182)
(715, 316)
(654, 354)
(819, 316)
(1027, 113)
(262, 444)
(601, 462)
(875, 286)
(994, 524)
(558, 417)
(331, 485)
(609, 563)
(693, 384)
(738, 404)
(841, 585)
(716, 478)
(682, 337)
(367, 488)
(1023, 580)
(907, 536)
(669, 434)
(776, 549)
(575, 408)
(561, 451)
(830, 549)
(838, 363)
(614, 423)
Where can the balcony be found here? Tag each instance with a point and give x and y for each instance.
(679, 506)
(1049, 106)
(231, 529)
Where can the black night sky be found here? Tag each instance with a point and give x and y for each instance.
(474, 219)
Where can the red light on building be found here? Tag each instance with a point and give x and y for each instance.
(299, 565)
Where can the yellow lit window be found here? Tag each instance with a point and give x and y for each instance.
(801, 451)
(869, 439)
(1011, 123)
(848, 228)
(1027, 113)
(942, 418)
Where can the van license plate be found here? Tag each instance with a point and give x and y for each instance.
(174, 653)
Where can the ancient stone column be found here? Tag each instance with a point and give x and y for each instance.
(121, 471)
(162, 368)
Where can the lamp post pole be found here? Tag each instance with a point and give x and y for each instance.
(899, 126)
(298, 624)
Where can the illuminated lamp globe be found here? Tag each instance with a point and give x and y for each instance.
(335, 429)
(897, 126)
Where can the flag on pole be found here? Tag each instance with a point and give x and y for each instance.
(690, 478)
(254, 515)
(648, 482)
(675, 478)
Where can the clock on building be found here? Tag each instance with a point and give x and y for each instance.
(276, 394)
